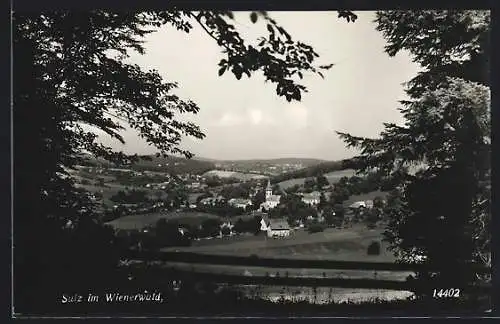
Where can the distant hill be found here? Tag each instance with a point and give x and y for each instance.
(313, 171)
(200, 165)
(304, 161)
(170, 164)
(200, 158)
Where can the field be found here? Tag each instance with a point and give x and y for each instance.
(111, 188)
(231, 174)
(332, 244)
(107, 192)
(141, 221)
(332, 177)
(336, 244)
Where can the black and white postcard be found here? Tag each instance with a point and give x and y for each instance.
(244, 163)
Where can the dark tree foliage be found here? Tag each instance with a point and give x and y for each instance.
(447, 43)
(440, 158)
(130, 197)
(166, 233)
(315, 228)
(237, 191)
(321, 181)
(258, 199)
(213, 181)
(210, 227)
(373, 248)
(221, 209)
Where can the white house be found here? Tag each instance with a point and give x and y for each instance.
(278, 228)
(362, 204)
(312, 198)
(212, 200)
(275, 227)
(207, 201)
(240, 203)
(263, 224)
(194, 185)
(272, 201)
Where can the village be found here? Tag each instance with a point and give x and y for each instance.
(226, 206)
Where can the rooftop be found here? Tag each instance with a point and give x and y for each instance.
(278, 224)
(274, 198)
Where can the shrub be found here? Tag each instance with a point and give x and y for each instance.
(315, 228)
(373, 248)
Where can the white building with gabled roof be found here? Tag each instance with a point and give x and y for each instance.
(276, 228)
(312, 198)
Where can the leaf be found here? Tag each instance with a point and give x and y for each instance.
(321, 75)
(237, 72)
(253, 17)
(326, 67)
(270, 28)
(222, 70)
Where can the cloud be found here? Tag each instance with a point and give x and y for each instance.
(230, 119)
(245, 118)
(255, 116)
(258, 117)
(296, 115)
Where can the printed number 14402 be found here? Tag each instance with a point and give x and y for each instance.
(446, 293)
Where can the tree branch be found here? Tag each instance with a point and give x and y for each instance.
(198, 19)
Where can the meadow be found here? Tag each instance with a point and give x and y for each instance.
(332, 244)
(332, 177)
(347, 244)
(233, 174)
(111, 188)
(141, 221)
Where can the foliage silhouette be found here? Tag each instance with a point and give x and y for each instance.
(70, 71)
(373, 248)
(442, 204)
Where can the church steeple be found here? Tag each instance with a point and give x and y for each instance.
(269, 189)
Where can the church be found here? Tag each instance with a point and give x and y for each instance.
(272, 201)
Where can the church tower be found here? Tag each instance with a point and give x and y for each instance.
(269, 190)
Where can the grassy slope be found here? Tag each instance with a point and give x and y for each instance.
(233, 174)
(312, 171)
(140, 221)
(335, 244)
(111, 189)
(332, 177)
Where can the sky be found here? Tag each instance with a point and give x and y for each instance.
(245, 119)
